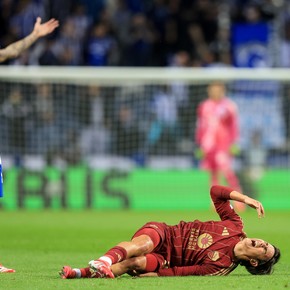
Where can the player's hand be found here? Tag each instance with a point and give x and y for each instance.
(256, 205)
(45, 28)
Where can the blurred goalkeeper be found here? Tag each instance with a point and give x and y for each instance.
(14, 50)
(217, 133)
(212, 248)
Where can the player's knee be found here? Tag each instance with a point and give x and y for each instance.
(143, 245)
(146, 247)
(137, 247)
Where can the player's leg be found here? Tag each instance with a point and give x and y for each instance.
(233, 181)
(143, 242)
(101, 268)
(214, 176)
(209, 163)
(138, 265)
(133, 266)
(68, 272)
(224, 163)
(213, 172)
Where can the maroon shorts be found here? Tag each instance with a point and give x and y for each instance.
(161, 229)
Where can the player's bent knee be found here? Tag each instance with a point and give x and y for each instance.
(143, 245)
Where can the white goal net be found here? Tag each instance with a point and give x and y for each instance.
(77, 114)
(142, 121)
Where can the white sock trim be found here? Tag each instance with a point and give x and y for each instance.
(78, 273)
(106, 259)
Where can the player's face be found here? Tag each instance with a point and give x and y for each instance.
(258, 249)
(216, 92)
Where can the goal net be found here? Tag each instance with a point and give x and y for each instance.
(128, 118)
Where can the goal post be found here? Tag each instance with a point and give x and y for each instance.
(113, 75)
(137, 118)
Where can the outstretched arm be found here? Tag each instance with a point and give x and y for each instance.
(13, 50)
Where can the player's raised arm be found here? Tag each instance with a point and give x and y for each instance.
(223, 193)
(14, 49)
(235, 195)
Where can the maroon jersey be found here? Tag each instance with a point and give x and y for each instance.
(201, 248)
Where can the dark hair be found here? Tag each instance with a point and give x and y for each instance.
(263, 268)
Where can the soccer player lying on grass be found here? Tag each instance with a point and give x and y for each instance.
(189, 248)
(14, 49)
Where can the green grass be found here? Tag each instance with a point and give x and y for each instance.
(37, 244)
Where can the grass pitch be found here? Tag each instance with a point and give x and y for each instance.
(38, 244)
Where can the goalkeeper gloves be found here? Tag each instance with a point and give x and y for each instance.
(235, 150)
(198, 153)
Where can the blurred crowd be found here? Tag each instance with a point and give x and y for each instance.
(75, 121)
(139, 32)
